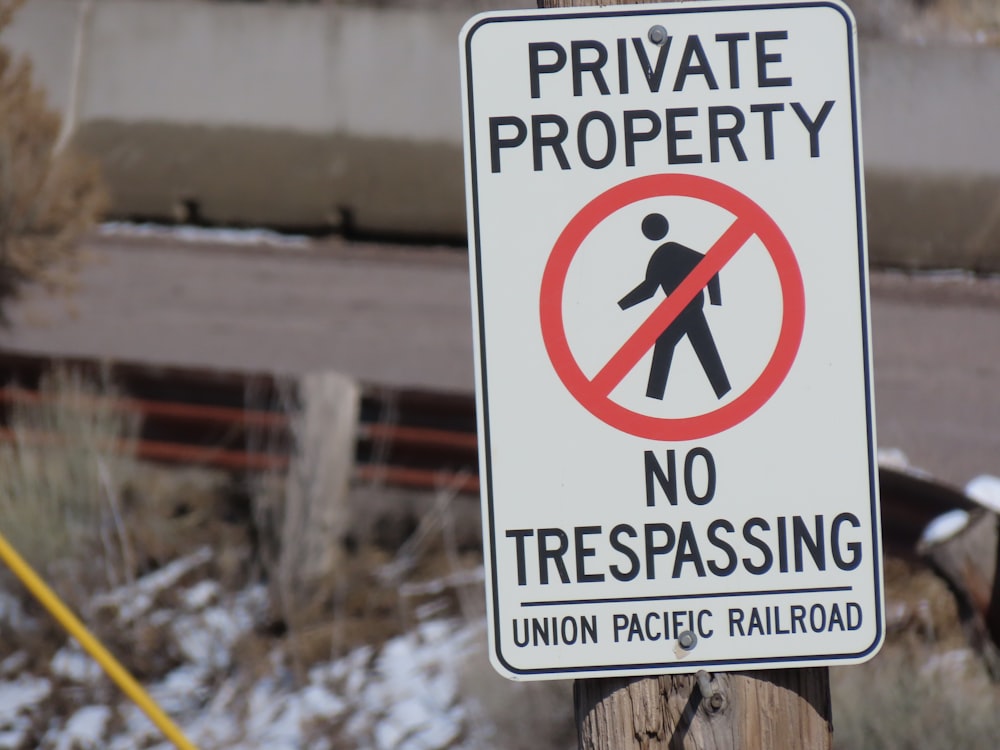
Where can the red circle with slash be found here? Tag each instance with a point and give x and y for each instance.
(594, 393)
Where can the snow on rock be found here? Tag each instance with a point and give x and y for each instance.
(985, 490)
(944, 526)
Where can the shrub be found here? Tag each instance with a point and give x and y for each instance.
(48, 196)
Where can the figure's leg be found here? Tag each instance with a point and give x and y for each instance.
(663, 354)
(708, 355)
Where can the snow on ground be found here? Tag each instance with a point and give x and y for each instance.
(206, 235)
(17, 698)
(405, 695)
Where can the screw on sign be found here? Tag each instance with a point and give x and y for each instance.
(677, 315)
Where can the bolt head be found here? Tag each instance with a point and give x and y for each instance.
(658, 35)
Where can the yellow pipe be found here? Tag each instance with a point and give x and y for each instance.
(108, 663)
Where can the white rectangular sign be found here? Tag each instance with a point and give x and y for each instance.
(677, 448)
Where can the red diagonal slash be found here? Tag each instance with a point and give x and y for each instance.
(640, 342)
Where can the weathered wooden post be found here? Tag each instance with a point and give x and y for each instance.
(762, 710)
(691, 544)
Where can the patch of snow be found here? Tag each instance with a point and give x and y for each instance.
(317, 700)
(14, 663)
(251, 605)
(205, 235)
(12, 613)
(200, 595)
(950, 665)
(71, 663)
(183, 689)
(985, 490)
(410, 696)
(136, 599)
(944, 526)
(139, 731)
(18, 695)
(468, 577)
(207, 637)
(13, 738)
(85, 729)
(897, 614)
(161, 618)
(218, 725)
(893, 458)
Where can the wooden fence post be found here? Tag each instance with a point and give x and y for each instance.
(758, 710)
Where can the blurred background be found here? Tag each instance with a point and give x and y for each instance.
(238, 430)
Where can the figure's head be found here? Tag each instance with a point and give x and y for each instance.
(655, 227)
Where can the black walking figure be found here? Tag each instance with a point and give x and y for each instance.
(668, 267)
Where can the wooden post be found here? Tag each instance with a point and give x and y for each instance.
(760, 710)
(766, 709)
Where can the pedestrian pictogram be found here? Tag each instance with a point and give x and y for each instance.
(670, 265)
(685, 275)
(670, 314)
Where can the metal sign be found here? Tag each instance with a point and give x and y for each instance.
(669, 278)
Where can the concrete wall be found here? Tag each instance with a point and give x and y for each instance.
(290, 115)
(931, 123)
(298, 115)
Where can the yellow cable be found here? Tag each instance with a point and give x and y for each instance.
(108, 663)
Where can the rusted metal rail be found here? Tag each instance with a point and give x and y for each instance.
(244, 422)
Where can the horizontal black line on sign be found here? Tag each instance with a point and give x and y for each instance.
(676, 597)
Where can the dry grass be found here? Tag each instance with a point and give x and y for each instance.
(60, 485)
(520, 715)
(914, 697)
(48, 197)
(926, 689)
